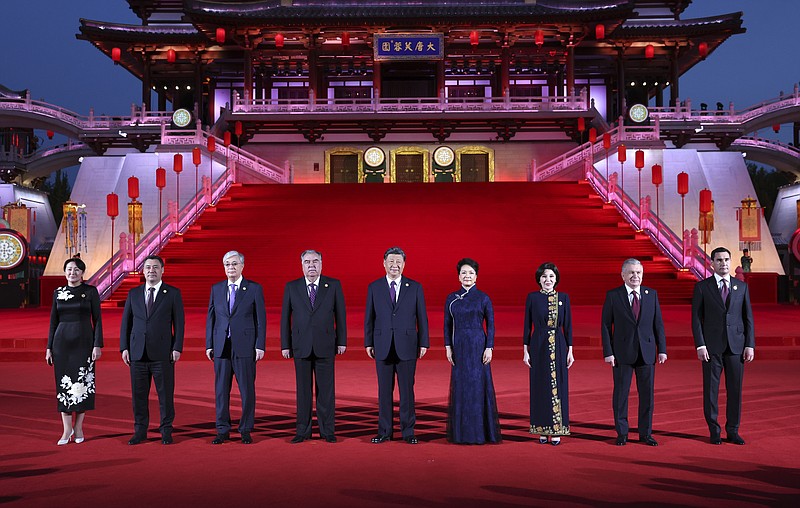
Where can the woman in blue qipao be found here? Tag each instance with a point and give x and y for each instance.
(548, 353)
(472, 409)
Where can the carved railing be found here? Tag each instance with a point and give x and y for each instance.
(43, 153)
(766, 144)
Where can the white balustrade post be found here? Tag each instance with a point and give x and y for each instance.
(731, 109)
(91, 117)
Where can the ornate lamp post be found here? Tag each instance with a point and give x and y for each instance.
(161, 182)
(658, 179)
(638, 161)
(112, 210)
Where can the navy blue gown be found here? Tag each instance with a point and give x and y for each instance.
(548, 335)
(472, 409)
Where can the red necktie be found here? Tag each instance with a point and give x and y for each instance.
(635, 307)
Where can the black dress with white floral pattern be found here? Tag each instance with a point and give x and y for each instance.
(75, 328)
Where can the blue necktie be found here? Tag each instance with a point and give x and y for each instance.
(312, 293)
(232, 298)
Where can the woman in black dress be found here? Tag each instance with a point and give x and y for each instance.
(548, 352)
(73, 345)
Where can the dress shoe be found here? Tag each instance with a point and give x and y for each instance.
(166, 438)
(648, 440)
(136, 439)
(380, 439)
(246, 439)
(732, 438)
(299, 438)
(716, 440)
(62, 442)
(411, 439)
(542, 439)
(221, 438)
(329, 438)
(622, 440)
(555, 441)
(79, 440)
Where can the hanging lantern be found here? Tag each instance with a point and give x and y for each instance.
(196, 156)
(226, 139)
(622, 154)
(112, 205)
(639, 159)
(133, 187)
(177, 163)
(212, 144)
(50, 134)
(606, 140)
(705, 201)
(237, 128)
(474, 38)
(776, 128)
(220, 35)
(658, 175)
(649, 51)
(279, 41)
(345, 40)
(161, 178)
(593, 135)
(581, 124)
(599, 31)
(116, 54)
(683, 183)
(171, 55)
(538, 37)
(702, 48)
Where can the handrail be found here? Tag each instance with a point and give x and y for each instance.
(766, 144)
(42, 153)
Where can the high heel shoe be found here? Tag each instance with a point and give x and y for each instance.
(62, 442)
(79, 440)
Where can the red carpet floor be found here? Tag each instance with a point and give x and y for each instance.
(586, 470)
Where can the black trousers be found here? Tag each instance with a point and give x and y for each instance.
(162, 373)
(226, 366)
(404, 370)
(645, 379)
(314, 374)
(733, 367)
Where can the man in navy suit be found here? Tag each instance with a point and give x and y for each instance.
(722, 325)
(151, 341)
(395, 335)
(236, 332)
(633, 332)
(314, 331)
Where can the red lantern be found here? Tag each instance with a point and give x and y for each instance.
(171, 55)
(345, 40)
(161, 178)
(649, 51)
(622, 154)
(705, 201)
(592, 135)
(683, 183)
(599, 31)
(237, 128)
(226, 139)
(196, 156)
(133, 187)
(538, 37)
(50, 134)
(581, 124)
(116, 54)
(776, 128)
(639, 159)
(606, 140)
(220, 36)
(702, 49)
(212, 144)
(279, 41)
(658, 175)
(177, 163)
(474, 38)
(112, 205)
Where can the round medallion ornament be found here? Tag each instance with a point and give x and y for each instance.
(374, 157)
(12, 250)
(638, 113)
(181, 117)
(444, 156)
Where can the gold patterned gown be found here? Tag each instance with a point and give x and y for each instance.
(548, 335)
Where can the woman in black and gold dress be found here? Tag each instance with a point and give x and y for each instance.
(73, 345)
(548, 353)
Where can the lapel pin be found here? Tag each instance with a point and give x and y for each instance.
(735, 288)
(560, 302)
(244, 288)
(83, 296)
(646, 292)
(326, 285)
(164, 291)
(406, 284)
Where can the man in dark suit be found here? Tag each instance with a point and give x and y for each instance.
(314, 331)
(722, 325)
(395, 335)
(633, 332)
(236, 332)
(151, 341)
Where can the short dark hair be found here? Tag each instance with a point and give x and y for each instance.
(718, 250)
(78, 262)
(310, 251)
(547, 266)
(155, 258)
(469, 262)
(394, 250)
(746, 250)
